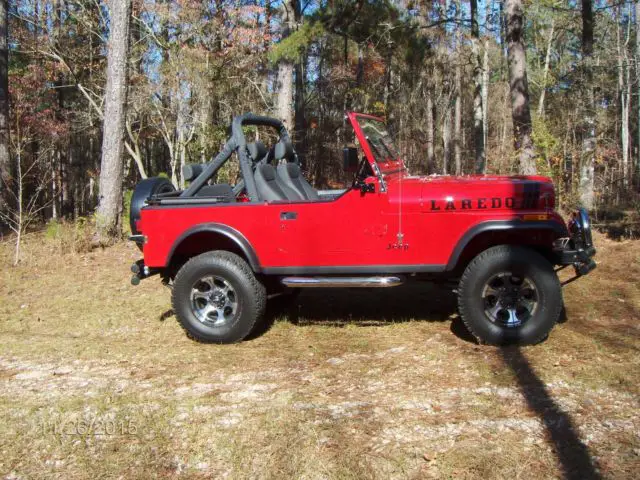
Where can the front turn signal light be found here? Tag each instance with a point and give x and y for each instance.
(535, 217)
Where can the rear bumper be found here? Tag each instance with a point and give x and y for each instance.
(141, 271)
(139, 239)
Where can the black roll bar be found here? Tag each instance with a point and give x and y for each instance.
(238, 135)
(238, 141)
(211, 168)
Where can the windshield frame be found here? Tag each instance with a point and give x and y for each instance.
(374, 151)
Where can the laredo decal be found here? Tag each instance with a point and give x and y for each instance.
(530, 200)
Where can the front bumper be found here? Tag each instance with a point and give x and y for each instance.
(578, 249)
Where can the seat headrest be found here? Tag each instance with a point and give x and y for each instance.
(283, 149)
(257, 150)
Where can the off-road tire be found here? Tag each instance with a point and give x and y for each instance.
(250, 292)
(523, 261)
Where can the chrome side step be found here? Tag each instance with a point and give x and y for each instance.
(342, 282)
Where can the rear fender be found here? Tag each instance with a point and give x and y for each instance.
(212, 236)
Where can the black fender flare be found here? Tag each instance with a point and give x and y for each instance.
(501, 226)
(230, 233)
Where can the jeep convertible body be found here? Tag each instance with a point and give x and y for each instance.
(227, 249)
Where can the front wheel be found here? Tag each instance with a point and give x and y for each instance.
(510, 295)
(217, 298)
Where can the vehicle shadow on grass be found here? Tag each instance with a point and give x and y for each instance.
(359, 306)
(372, 307)
(340, 307)
(573, 455)
(362, 307)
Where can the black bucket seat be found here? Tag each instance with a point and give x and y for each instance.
(269, 186)
(290, 174)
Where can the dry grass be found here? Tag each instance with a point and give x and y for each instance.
(346, 385)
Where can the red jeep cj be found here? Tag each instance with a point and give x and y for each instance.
(227, 249)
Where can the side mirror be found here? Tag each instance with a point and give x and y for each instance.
(351, 160)
(367, 188)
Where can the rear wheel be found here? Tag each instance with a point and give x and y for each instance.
(217, 298)
(510, 295)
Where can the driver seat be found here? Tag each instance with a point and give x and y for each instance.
(290, 174)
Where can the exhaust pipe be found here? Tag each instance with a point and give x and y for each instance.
(342, 282)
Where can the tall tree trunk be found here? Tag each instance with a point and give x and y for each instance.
(457, 126)
(388, 83)
(431, 156)
(300, 136)
(624, 96)
(446, 140)
(486, 73)
(638, 85)
(285, 93)
(485, 101)
(5, 161)
(518, 84)
(586, 187)
(504, 48)
(110, 203)
(284, 104)
(545, 72)
(457, 123)
(478, 107)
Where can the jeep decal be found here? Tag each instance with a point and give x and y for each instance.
(449, 204)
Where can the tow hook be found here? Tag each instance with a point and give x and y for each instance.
(581, 269)
(584, 268)
(140, 272)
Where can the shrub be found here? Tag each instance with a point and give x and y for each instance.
(70, 237)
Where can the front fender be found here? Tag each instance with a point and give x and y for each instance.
(558, 228)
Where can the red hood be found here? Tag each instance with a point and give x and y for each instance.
(476, 192)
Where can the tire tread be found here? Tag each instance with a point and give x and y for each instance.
(477, 263)
(232, 260)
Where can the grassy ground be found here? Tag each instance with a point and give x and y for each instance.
(97, 380)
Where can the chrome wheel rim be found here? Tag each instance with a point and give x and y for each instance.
(509, 300)
(213, 301)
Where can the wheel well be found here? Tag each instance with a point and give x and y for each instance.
(202, 242)
(539, 240)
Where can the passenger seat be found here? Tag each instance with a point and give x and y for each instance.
(290, 174)
(269, 187)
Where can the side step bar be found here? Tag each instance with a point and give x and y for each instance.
(342, 282)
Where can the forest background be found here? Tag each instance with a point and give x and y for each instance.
(467, 87)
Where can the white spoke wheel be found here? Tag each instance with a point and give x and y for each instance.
(509, 295)
(217, 298)
(213, 300)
